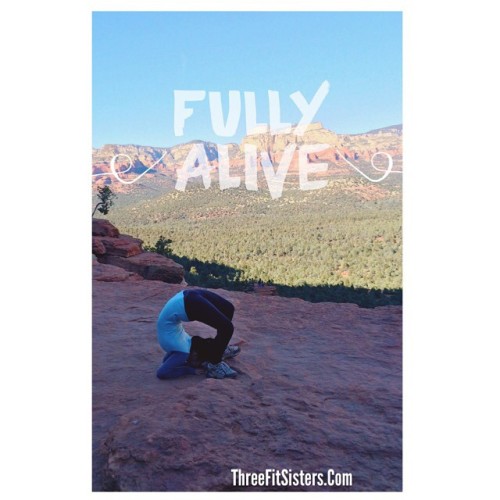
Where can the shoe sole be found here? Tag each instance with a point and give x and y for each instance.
(229, 356)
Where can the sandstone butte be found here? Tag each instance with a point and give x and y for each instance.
(166, 161)
(319, 387)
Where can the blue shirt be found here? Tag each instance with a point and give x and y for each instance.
(171, 333)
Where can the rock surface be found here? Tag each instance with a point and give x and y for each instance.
(319, 387)
(122, 246)
(106, 272)
(102, 227)
(150, 266)
(265, 289)
(98, 247)
(121, 250)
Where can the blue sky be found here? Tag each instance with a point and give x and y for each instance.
(140, 58)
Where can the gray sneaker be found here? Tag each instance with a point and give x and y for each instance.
(231, 351)
(220, 370)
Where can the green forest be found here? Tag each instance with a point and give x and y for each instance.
(342, 243)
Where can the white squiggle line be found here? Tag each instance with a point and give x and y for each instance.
(111, 173)
(115, 172)
(387, 172)
(380, 170)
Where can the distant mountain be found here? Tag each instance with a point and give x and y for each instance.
(393, 129)
(158, 166)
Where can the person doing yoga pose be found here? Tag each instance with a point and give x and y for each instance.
(186, 353)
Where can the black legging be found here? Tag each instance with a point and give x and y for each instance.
(215, 311)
